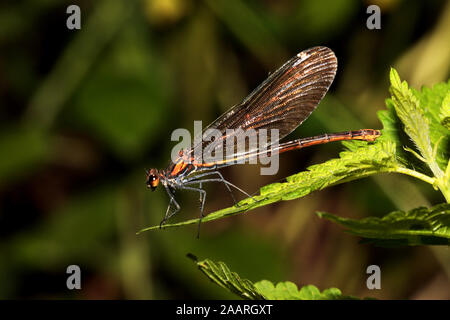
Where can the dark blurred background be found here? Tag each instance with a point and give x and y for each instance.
(84, 112)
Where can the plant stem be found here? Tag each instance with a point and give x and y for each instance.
(414, 174)
(444, 185)
(441, 183)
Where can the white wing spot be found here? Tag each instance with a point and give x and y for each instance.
(302, 55)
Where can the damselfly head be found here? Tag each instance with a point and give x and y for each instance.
(152, 179)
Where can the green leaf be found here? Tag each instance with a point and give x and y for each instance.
(416, 123)
(362, 162)
(288, 291)
(393, 132)
(445, 112)
(220, 274)
(420, 226)
(435, 102)
(407, 108)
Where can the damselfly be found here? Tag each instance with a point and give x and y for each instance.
(283, 101)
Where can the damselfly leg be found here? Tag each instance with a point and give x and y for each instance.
(202, 205)
(168, 213)
(196, 177)
(203, 192)
(223, 181)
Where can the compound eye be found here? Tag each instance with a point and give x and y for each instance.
(152, 181)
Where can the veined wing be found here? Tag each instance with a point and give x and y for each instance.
(283, 101)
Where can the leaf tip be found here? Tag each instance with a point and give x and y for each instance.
(394, 77)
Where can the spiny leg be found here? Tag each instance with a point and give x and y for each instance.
(173, 212)
(203, 197)
(165, 216)
(224, 181)
(221, 179)
(200, 194)
(168, 215)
